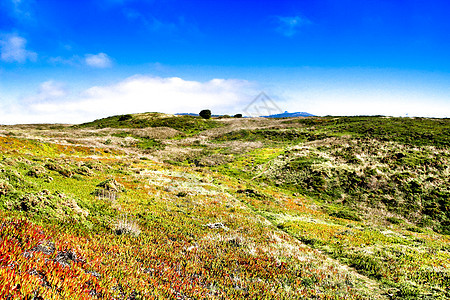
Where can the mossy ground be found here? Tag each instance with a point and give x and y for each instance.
(319, 208)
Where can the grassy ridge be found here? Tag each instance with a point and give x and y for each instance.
(186, 124)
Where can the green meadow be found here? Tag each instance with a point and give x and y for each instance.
(156, 206)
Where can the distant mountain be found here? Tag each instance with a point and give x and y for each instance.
(290, 115)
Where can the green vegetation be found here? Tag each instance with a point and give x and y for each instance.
(290, 136)
(410, 131)
(231, 208)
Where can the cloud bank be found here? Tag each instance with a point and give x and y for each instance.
(367, 101)
(53, 104)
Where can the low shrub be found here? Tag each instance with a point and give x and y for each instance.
(394, 220)
(126, 225)
(345, 214)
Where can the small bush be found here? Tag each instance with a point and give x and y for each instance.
(105, 194)
(37, 172)
(368, 265)
(407, 291)
(344, 214)
(311, 241)
(85, 171)
(414, 229)
(64, 171)
(5, 188)
(111, 185)
(394, 220)
(126, 225)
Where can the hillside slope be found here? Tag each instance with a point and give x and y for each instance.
(154, 206)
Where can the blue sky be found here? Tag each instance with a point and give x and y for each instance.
(72, 61)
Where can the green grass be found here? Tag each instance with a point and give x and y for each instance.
(144, 143)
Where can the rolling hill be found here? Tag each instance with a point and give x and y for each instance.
(157, 206)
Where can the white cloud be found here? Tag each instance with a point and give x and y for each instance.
(132, 95)
(13, 49)
(48, 91)
(288, 26)
(100, 60)
(59, 60)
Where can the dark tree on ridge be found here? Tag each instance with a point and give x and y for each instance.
(205, 114)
